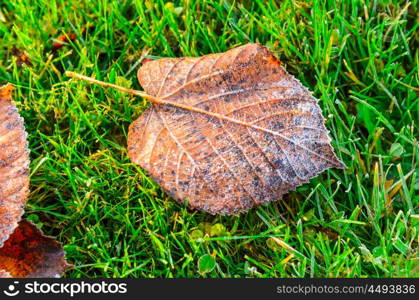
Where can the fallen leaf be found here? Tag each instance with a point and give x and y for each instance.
(14, 165)
(227, 132)
(24, 250)
(243, 131)
(64, 39)
(22, 57)
(30, 254)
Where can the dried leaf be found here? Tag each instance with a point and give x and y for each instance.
(14, 165)
(21, 57)
(24, 251)
(64, 39)
(30, 254)
(228, 131)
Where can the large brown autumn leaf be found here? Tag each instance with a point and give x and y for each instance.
(254, 133)
(24, 250)
(14, 165)
(228, 131)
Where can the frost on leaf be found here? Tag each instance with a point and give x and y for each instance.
(24, 250)
(14, 165)
(246, 134)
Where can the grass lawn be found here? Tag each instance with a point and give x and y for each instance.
(360, 58)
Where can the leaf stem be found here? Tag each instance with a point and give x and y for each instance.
(110, 85)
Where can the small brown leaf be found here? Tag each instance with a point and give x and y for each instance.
(22, 57)
(28, 254)
(64, 39)
(228, 131)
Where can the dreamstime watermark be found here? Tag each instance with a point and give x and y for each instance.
(70, 289)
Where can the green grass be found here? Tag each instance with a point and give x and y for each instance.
(360, 58)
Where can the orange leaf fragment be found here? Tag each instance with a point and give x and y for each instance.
(30, 254)
(64, 39)
(22, 57)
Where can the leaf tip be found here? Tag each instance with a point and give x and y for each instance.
(6, 91)
(338, 164)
